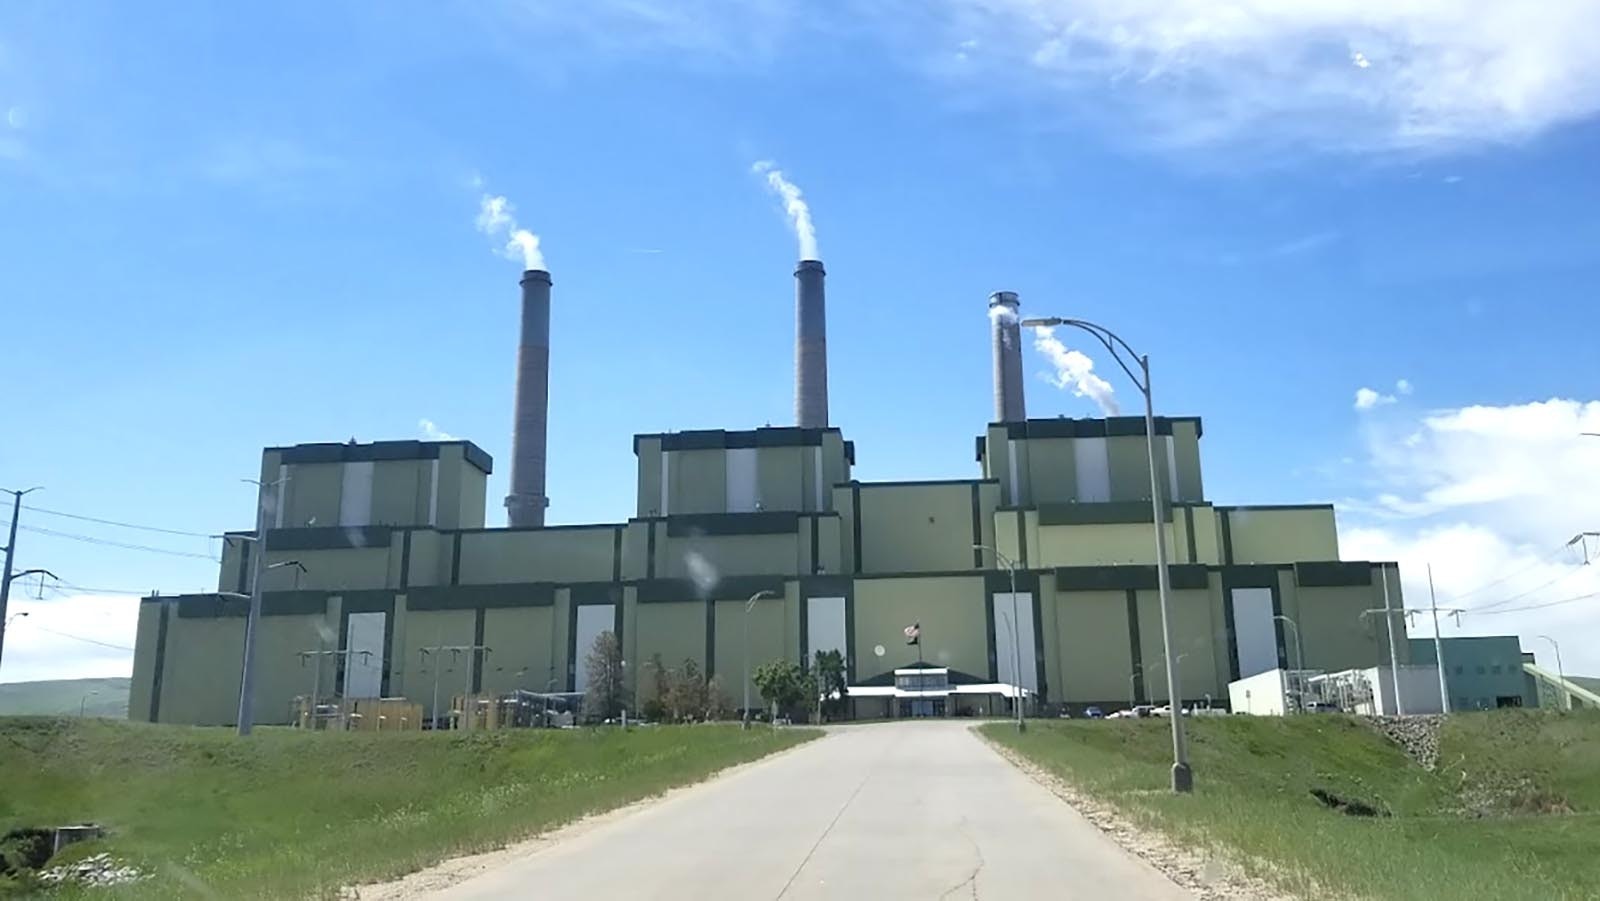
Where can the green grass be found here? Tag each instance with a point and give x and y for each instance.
(1471, 829)
(291, 814)
(64, 697)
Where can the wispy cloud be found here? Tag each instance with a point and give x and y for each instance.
(257, 160)
(1369, 398)
(1305, 244)
(431, 432)
(1361, 75)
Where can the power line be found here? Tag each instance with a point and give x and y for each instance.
(90, 539)
(114, 522)
(103, 644)
(1572, 600)
(1535, 590)
(141, 592)
(1542, 560)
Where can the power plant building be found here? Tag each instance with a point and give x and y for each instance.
(395, 557)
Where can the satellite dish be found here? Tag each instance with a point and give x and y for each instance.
(879, 650)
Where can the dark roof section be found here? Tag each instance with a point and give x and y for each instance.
(333, 452)
(717, 439)
(1113, 427)
(1109, 427)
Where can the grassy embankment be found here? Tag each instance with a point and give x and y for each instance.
(1513, 810)
(292, 814)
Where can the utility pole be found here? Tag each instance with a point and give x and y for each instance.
(1394, 660)
(316, 675)
(6, 575)
(252, 622)
(455, 650)
(1438, 645)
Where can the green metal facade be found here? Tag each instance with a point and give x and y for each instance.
(722, 515)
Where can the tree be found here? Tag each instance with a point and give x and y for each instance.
(779, 682)
(718, 707)
(657, 707)
(606, 694)
(832, 681)
(688, 698)
(808, 694)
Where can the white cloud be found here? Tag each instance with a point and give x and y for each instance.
(431, 432)
(1428, 74)
(16, 117)
(1490, 496)
(1366, 399)
(75, 637)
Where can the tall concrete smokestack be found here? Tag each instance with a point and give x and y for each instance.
(810, 346)
(1007, 339)
(526, 503)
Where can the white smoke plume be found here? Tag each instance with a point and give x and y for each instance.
(702, 572)
(497, 217)
(1001, 314)
(794, 203)
(1076, 371)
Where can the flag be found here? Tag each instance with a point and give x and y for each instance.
(914, 633)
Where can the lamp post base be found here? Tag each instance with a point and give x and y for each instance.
(1182, 779)
(1022, 726)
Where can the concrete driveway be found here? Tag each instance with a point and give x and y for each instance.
(920, 809)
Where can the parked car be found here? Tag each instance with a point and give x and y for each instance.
(1094, 713)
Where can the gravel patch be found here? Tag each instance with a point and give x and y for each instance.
(1209, 876)
(99, 870)
(1418, 736)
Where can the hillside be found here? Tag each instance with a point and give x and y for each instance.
(99, 697)
(1512, 811)
(287, 813)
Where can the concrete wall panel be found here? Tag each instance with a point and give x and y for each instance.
(951, 611)
(543, 555)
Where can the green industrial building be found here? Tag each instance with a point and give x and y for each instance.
(394, 556)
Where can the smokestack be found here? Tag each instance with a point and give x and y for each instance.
(1007, 339)
(810, 346)
(526, 503)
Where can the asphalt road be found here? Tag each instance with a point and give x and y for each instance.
(905, 810)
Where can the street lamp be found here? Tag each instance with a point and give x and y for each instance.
(1560, 672)
(1299, 656)
(1016, 632)
(1182, 774)
(748, 606)
(252, 622)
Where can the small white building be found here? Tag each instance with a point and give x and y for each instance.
(1371, 691)
(1368, 692)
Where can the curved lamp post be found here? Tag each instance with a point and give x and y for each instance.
(1561, 672)
(1182, 774)
(749, 606)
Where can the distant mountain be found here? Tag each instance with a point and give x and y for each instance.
(98, 697)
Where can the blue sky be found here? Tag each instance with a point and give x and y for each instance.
(224, 227)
